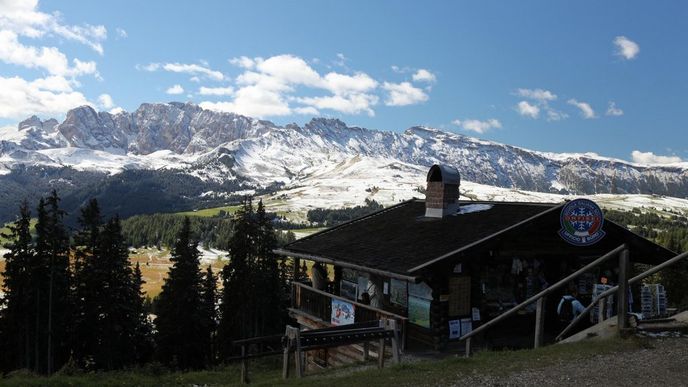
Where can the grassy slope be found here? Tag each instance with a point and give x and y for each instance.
(267, 371)
(208, 212)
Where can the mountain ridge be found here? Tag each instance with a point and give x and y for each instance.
(227, 146)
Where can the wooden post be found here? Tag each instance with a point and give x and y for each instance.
(297, 268)
(366, 351)
(622, 297)
(468, 347)
(539, 322)
(298, 356)
(287, 351)
(601, 308)
(395, 341)
(381, 354)
(244, 366)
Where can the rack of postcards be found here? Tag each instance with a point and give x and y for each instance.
(653, 300)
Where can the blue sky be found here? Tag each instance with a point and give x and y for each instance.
(587, 76)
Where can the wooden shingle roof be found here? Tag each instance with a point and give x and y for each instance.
(399, 239)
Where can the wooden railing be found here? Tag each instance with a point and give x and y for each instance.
(600, 299)
(621, 252)
(318, 303)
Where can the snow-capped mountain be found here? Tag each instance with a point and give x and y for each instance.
(220, 147)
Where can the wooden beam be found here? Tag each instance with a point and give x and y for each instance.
(347, 265)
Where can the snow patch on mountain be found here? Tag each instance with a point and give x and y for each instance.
(324, 155)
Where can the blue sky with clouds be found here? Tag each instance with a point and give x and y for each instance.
(588, 76)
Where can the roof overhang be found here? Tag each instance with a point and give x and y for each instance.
(335, 262)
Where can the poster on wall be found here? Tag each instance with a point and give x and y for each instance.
(419, 311)
(454, 329)
(348, 290)
(398, 293)
(343, 313)
(466, 326)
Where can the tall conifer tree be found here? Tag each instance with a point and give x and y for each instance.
(51, 279)
(208, 307)
(87, 285)
(180, 335)
(17, 310)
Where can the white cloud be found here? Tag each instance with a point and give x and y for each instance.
(539, 95)
(586, 110)
(612, 110)
(653, 159)
(243, 61)
(53, 83)
(350, 104)
(20, 98)
(216, 90)
(342, 84)
(105, 101)
(307, 111)
(555, 115)
(268, 87)
(626, 48)
(527, 109)
(116, 110)
(341, 60)
(477, 125)
(175, 90)
(121, 32)
(289, 69)
(253, 101)
(53, 92)
(148, 67)
(270, 84)
(541, 103)
(46, 58)
(423, 75)
(23, 18)
(193, 69)
(402, 94)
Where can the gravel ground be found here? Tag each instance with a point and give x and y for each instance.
(665, 364)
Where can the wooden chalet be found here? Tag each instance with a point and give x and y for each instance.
(444, 266)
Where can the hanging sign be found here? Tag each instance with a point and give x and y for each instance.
(581, 222)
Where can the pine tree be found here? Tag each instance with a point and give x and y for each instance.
(143, 336)
(16, 308)
(208, 307)
(253, 302)
(180, 318)
(87, 285)
(118, 320)
(51, 279)
(272, 308)
(238, 296)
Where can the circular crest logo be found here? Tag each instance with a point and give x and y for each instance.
(581, 222)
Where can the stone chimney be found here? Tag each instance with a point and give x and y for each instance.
(442, 193)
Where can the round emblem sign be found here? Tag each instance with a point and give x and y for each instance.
(581, 222)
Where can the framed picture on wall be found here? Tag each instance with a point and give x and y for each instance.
(348, 290)
(398, 292)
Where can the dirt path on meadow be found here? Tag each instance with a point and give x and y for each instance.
(663, 363)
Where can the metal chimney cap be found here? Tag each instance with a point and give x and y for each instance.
(444, 174)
